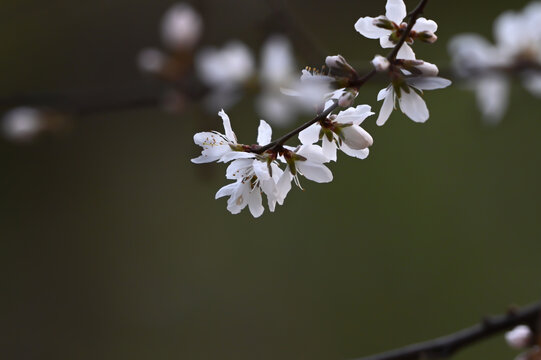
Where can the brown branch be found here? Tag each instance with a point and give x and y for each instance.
(447, 345)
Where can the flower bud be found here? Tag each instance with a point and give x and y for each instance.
(338, 66)
(520, 337)
(428, 69)
(356, 137)
(427, 36)
(420, 67)
(181, 27)
(384, 23)
(381, 63)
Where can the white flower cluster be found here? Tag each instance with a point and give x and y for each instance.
(409, 76)
(488, 67)
(270, 167)
(271, 171)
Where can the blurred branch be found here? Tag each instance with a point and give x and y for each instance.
(447, 345)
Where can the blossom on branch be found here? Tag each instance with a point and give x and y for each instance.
(342, 132)
(389, 28)
(219, 147)
(408, 80)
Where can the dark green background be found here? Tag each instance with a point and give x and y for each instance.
(113, 247)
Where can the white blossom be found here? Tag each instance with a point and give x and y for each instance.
(519, 337)
(342, 132)
(252, 178)
(182, 27)
(306, 160)
(389, 27)
(219, 147)
(407, 91)
(22, 124)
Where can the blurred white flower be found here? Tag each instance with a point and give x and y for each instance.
(313, 90)
(225, 72)
(277, 71)
(151, 60)
(388, 28)
(22, 124)
(234, 64)
(407, 90)
(485, 66)
(182, 27)
(519, 337)
(342, 132)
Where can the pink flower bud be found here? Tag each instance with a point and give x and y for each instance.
(519, 337)
(380, 63)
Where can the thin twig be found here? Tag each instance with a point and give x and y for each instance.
(447, 345)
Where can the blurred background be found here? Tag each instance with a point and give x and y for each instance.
(113, 246)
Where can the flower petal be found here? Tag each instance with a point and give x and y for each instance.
(329, 149)
(386, 107)
(359, 154)
(395, 11)
(315, 172)
(310, 135)
(264, 133)
(238, 169)
(283, 186)
(385, 42)
(405, 53)
(255, 203)
(261, 170)
(413, 106)
(429, 82)
(229, 134)
(384, 92)
(492, 97)
(422, 24)
(237, 201)
(227, 190)
(365, 26)
(234, 155)
(312, 153)
(354, 115)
